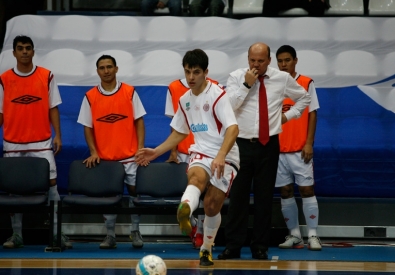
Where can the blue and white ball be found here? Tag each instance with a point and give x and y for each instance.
(151, 265)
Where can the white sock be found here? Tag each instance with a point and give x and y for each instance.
(135, 218)
(191, 196)
(310, 210)
(211, 225)
(16, 223)
(109, 221)
(53, 194)
(290, 214)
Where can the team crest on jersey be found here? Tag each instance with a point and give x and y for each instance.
(206, 107)
(26, 99)
(111, 118)
(188, 106)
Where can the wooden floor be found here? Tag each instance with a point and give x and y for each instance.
(194, 264)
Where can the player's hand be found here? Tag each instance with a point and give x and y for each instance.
(173, 157)
(92, 161)
(160, 5)
(307, 153)
(251, 76)
(57, 145)
(283, 118)
(144, 156)
(218, 167)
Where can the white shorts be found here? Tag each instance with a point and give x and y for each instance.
(293, 169)
(225, 183)
(130, 170)
(47, 154)
(182, 157)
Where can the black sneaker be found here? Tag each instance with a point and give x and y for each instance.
(205, 258)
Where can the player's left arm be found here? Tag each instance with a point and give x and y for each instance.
(55, 121)
(140, 128)
(307, 151)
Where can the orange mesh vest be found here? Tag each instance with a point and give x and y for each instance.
(294, 134)
(26, 106)
(177, 89)
(113, 123)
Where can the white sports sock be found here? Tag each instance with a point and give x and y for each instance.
(109, 221)
(135, 218)
(16, 223)
(53, 194)
(211, 225)
(191, 196)
(290, 214)
(310, 210)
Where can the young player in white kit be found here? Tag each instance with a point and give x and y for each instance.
(204, 110)
(176, 89)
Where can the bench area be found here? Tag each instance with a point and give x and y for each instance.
(350, 59)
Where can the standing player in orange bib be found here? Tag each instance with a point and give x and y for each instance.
(29, 99)
(112, 116)
(295, 164)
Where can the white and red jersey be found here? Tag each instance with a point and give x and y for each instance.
(207, 116)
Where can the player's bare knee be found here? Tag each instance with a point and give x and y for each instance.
(306, 191)
(211, 206)
(131, 190)
(287, 191)
(52, 182)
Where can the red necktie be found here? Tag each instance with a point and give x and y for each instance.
(263, 114)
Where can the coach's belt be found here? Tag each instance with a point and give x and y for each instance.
(252, 140)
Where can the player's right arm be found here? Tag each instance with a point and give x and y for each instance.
(90, 140)
(148, 154)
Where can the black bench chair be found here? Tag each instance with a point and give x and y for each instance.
(24, 185)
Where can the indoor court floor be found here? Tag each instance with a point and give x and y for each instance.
(180, 258)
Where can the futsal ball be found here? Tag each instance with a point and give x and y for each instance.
(151, 265)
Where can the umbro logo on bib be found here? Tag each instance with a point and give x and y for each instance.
(26, 99)
(111, 118)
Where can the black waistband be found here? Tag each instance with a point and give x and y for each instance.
(254, 140)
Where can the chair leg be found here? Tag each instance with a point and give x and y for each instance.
(51, 247)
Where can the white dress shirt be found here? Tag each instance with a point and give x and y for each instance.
(245, 102)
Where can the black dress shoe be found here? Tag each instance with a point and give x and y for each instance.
(229, 254)
(260, 254)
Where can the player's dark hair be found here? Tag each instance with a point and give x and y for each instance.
(286, 49)
(106, 57)
(23, 39)
(195, 58)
